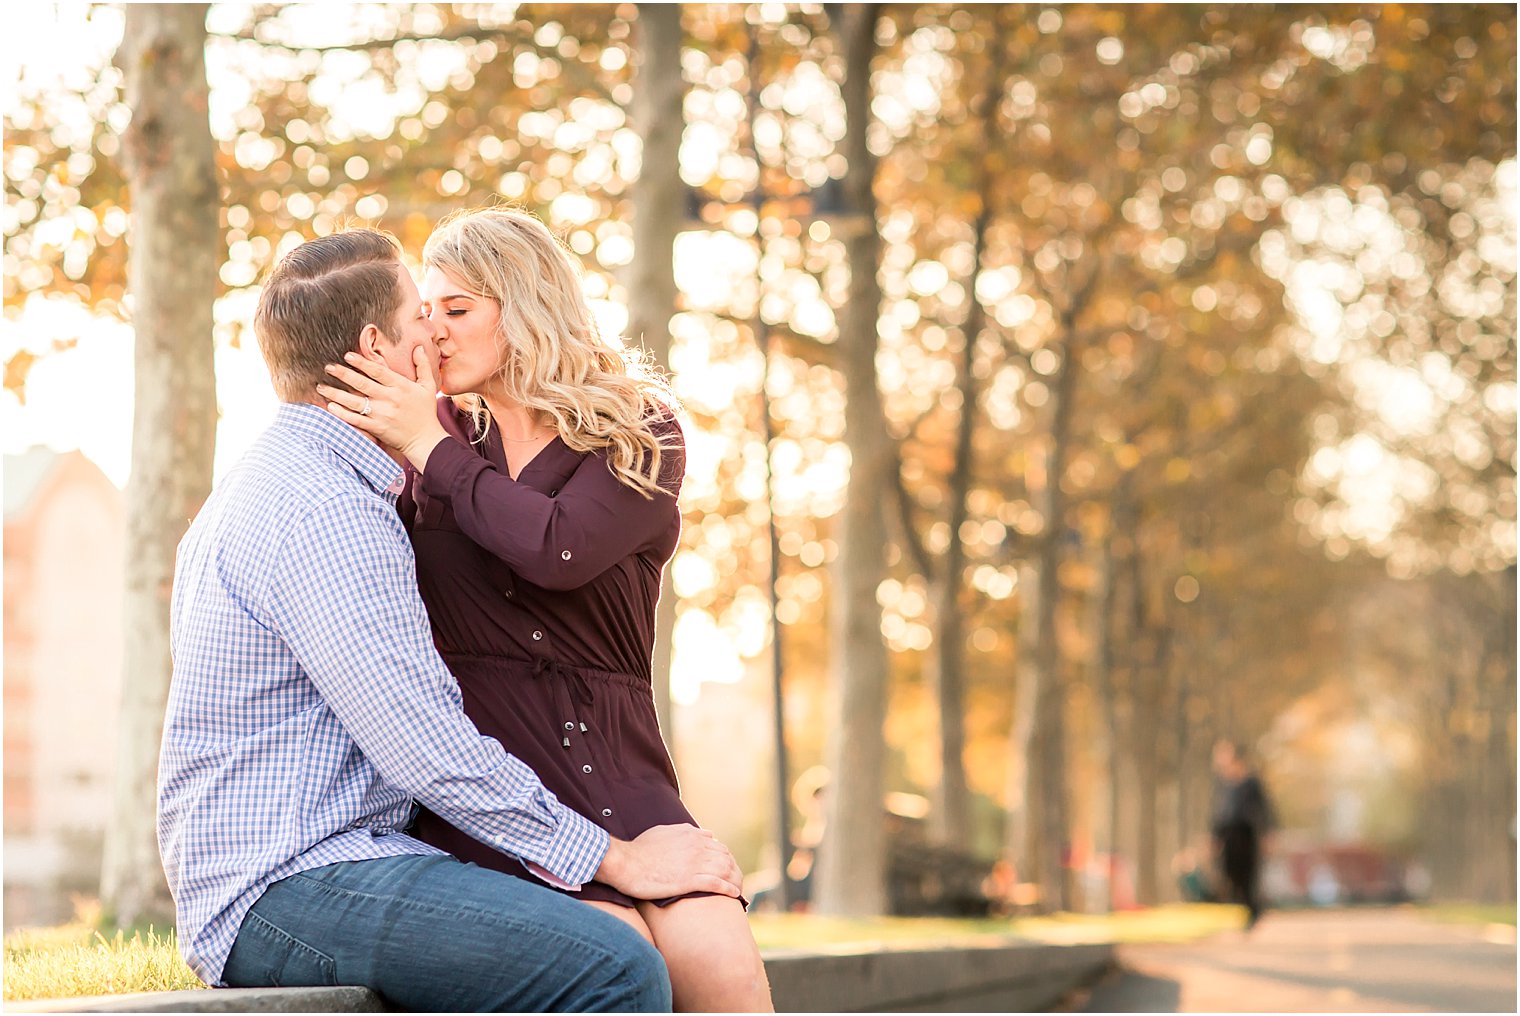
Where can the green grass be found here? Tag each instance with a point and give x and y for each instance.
(76, 959)
(1471, 913)
(1174, 922)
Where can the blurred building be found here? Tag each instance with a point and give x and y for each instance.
(64, 551)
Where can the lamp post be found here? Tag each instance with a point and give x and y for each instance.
(786, 887)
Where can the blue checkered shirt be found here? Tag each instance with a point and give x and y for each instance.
(309, 708)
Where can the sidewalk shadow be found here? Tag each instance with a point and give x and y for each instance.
(1126, 990)
(1463, 993)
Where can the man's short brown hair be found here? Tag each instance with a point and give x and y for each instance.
(316, 302)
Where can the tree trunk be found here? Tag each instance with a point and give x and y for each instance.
(1144, 714)
(1182, 763)
(1150, 715)
(953, 800)
(1146, 792)
(952, 812)
(657, 203)
(1123, 630)
(852, 861)
(169, 159)
(1106, 819)
(1502, 733)
(1047, 772)
(1019, 841)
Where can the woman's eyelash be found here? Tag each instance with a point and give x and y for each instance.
(455, 312)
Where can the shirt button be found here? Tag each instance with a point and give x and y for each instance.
(564, 555)
(554, 493)
(508, 594)
(569, 725)
(537, 635)
(606, 813)
(586, 769)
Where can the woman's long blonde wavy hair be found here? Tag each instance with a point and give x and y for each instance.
(552, 358)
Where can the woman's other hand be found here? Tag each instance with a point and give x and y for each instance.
(400, 413)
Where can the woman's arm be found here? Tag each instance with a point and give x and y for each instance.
(559, 541)
(457, 424)
(563, 540)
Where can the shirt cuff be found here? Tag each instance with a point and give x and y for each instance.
(574, 854)
(549, 877)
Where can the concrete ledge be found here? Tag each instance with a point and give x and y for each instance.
(1006, 975)
(997, 975)
(220, 1000)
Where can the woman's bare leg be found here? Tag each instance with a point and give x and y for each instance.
(627, 915)
(713, 960)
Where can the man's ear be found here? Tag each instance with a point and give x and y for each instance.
(371, 340)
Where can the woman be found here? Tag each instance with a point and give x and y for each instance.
(541, 502)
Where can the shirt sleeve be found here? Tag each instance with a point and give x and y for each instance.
(564, 540)
(347, 606)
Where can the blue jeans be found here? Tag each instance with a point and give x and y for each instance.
(430, 933)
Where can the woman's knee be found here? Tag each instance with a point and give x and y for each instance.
(714, 963)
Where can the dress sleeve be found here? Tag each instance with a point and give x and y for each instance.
(458, 425)
(565, 540)
(406, 504)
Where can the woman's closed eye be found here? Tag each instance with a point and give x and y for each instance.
(454, 312)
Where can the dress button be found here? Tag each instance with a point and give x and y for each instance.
(554, 493)
(606, 813)
(569, 725)
(564, 555)
(537, 635)
(585, 769)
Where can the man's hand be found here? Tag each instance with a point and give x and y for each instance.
(670, 860)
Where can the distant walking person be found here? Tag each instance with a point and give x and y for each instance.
(1242, 816)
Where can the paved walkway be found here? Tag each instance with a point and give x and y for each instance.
(1387, 960)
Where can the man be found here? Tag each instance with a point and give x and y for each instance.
(1242, 817)
(309, 710)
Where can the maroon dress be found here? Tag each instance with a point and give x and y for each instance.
(542, 593)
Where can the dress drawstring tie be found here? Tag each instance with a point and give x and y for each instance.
(551, 670)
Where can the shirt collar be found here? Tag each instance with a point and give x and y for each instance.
(375, 467)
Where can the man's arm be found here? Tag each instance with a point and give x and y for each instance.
(344, 598)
